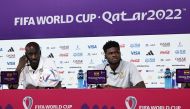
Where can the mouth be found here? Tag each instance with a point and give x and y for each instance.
(34, 61)
(115, 59)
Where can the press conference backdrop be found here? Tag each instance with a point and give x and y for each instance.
(84, 18)
(152, 54)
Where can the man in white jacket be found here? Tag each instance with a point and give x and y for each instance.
(120, 74)
(36, 71)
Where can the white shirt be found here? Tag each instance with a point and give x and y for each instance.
(127, 75)
(45, 75)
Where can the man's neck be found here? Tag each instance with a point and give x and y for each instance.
(114, 66)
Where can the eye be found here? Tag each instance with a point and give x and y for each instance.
(110, 53)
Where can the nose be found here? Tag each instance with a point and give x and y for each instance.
(114, 54)
(33, 56)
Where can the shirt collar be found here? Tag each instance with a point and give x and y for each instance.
(118, 69)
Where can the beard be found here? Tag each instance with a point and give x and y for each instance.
(114, 61)
(34, 64)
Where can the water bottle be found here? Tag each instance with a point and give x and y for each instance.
(80, 77)
(168, 79)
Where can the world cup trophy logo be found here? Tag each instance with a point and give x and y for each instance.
(133, 100)
(27, 102)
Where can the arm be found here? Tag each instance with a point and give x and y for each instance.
(135, 78)
(37, 87)
(22, 62)
(52, 75)
(110, 87)
(139, 85)
(58, 86)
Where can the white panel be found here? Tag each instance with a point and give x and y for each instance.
(72, 54)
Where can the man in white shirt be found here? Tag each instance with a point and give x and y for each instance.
(36, 71)
(120, 74)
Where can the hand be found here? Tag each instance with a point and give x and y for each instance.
(34, 87)
(58, 86)
(107, 86)
(22, 61)
(30, 87)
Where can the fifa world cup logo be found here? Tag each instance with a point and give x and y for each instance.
(133, 100)
(27, 102)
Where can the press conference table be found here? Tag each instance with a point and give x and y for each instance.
(95, 99)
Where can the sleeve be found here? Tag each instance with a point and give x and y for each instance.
(22, 82)
(57, 74)
(100, 67)
(135, 76)
(51, 74)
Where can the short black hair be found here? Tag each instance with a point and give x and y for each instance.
(33, 44)
(110, 44)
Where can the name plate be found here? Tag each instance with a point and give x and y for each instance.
(9, 77)
(182, 75)
(96, 77)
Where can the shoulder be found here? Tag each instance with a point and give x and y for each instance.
(100, 67)
(47, 62)
(127, 63)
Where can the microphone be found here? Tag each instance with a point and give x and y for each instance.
(114, 73)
